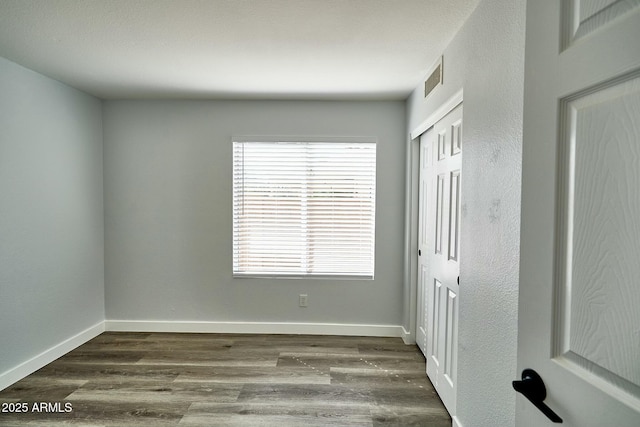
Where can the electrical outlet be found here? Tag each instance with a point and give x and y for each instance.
(303, 300)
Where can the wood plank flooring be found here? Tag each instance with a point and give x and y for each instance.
(188, 380)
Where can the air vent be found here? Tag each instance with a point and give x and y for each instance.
(434, 79)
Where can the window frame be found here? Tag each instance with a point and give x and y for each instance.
(306, 139)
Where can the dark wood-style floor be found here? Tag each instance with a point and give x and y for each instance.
(163, 379)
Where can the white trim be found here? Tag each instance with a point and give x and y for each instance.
(455, 422)
(17, 373)
(408, 337)
(300, 276)
(254, 328)
(442, 111)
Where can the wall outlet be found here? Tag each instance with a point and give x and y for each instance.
(303, 300)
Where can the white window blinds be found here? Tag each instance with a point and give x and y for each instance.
(304, 208)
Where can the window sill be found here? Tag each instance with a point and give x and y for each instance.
(302, 277)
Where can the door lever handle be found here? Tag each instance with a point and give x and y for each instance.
(532, 387)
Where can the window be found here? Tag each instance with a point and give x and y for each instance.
(304, 208)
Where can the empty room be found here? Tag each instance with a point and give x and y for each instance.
(319, 213)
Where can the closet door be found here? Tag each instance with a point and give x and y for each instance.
(442, 247)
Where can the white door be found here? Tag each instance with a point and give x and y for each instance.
(579, 309)
(424, 201)
(441, 249)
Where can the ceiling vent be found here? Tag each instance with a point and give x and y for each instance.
(434, 79)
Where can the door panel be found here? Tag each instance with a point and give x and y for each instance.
(454, 214)
(598, 293)
(442, 144)
(451, 338)
(433, 339)
(421, 320)
(586, 16)
(439, 213)
(456, 137)
(579, 320)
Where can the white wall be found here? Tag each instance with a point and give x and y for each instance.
(51, 215)
(486, 59)
(168, 169)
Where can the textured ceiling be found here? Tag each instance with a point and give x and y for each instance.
(285, 49)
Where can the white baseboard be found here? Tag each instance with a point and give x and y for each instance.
(30, 366)
(407, 337)
(455, 422)
(255, 328)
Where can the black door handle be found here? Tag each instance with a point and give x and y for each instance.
(532, 387)
(419, 252)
